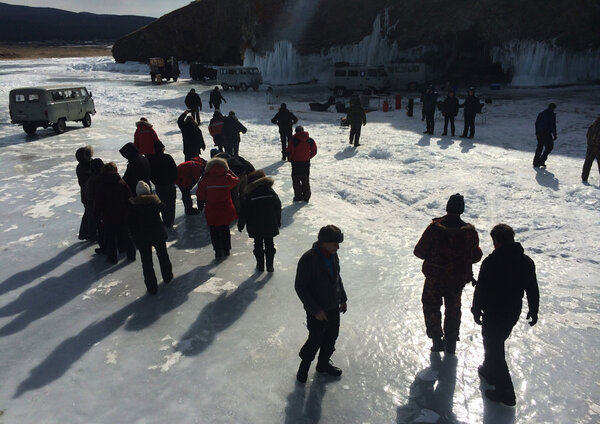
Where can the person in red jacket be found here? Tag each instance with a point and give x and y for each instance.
(214, 190)
(301, 149)
(144, 137)
(188, 174)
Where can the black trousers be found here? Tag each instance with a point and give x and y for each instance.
(167, 194)
(545, 144)
(166, 268)
(494, 363)
(430, 121)
(117, 238)
(592, 153)
(285, 136)
(321, 337)
(220, 238)
(195, 112)
(469, 126)
(232, 148)
(355, 134)
(451, 120)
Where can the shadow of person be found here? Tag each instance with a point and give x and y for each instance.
(191, 232)
(347, 153)
(295, 405)
(444, 143)
(428, 402)
(546, 178)
(424, 141)
(287, 213)
(27, 276)
(495, 413)
(307, 408)
(466, 145)
(270, 169)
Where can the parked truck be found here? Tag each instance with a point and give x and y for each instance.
(161, 68)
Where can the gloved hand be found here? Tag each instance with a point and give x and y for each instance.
(532, 318)
(201, 205)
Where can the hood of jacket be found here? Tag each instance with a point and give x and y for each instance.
(145, 199)
(301, 136)
(84, 154)
(261, 182)
(509, 252)
(129, 151)
(216, 163)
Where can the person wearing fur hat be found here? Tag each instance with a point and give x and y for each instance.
(147, 231)
(84, 159)
(163, 174)
(261, 215)
(193, 141)
(301, 150)
(138, 167)
(232, 128)
(449, 247)
(214, 191)
(144, 137)
(194, 104)
(285, 120)
(215, 128)
(320, 289)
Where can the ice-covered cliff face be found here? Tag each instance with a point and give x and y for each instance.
(533, 63)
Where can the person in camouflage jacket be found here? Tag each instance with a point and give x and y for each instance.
(593, 149)
(449, 246)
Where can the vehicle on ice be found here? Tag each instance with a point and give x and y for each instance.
(409, 76)
(34, 107)
(202, 72)
(239, 77)
(161, 68)
(346, 78)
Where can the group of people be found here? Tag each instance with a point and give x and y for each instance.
(449, 108)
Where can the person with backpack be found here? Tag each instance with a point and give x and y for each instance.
(285, 120)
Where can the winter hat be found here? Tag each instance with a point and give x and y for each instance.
(213, 152)
(456, 204)
(142, 188)
(283, 106)
(231, 113)
(330, 234)
(192, 91)
(256, 175)
(96, 165)
(143, 121)
(299, 128)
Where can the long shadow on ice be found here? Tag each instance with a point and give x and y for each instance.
(287, 213)
(27, 276)
(139, 314)
(191, 232)
(219, 315)
(546, 178)
(428, 402)
(53, 293)
(270, 169)
(304, 409)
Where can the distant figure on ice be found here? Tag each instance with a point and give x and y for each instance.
(188, 174)
(545, 132)
(215, 128)
(357, 118)
(232, 128)
(194, 104)
(593, 150)
(89, 195)
(285, 120)
(193, 141)
(83, 155)
(429, 105)
(147, 231)
(321, 291)
(214, 191)
(215, 99)
(301, 149)
(504, 276)
(261, 215)
(450, 110)
(163, 174)
(144, 137)
(449, 246)
(138, 167)
(472, 108)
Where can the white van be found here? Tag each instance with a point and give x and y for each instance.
(407, 75)
(34, 107)
(346, 78)
(239, 77)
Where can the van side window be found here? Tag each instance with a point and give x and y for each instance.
(19, 98)
(83, 92)
(340, 73)
(73, 94)
(353, 73)
(363, 73)
(33, 98)
(57, 95)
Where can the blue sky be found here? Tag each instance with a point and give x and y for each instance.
(154, 8)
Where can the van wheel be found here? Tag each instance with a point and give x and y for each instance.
(225, 86)
(60, 126)
(87, 120)
(29, 129)
(243, 86)
(339, 91)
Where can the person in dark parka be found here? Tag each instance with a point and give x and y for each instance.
(112, 207)
(194, 104)
(215, 99)
(89, 198)
(84, 158)
(593, 150)
(429, 105)
(357, 118)
(504, 277)
(450, 110)
(193, 141)
(261, 214)
(163, 174)
(545, 132)
(147, 231)
(232, 128)
(472, 107)
(285, 120)
(320, 289)
(138, 167)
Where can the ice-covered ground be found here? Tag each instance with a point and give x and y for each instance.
(81, 342)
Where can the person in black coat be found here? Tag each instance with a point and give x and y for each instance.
(148, 231)
(429, 105)
(138, 167)
(232, 128)
(545, 132)
(193, 141)
(112, 208)
(472, 108)
(320, 289)
(89, 196)
(450, 110)
(285, 120)
(194, 104)
(261, 214)
(163, 174)
(84, 158)
(215, 99)
(504, 276)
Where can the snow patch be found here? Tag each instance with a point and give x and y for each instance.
(215, 285)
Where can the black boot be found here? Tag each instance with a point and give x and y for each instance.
(270, 257)
(450, 346)
(485, 373)
(302, 373)
(501, 397)
(260, 260)
(329, 368)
